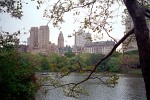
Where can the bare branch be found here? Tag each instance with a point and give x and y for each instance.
(87, 4)
(100, 79)
(147, 10)
(147, 15)
(109, 35)
(81, 67)
(108, 55)
(55, 87)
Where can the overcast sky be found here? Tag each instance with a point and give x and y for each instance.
(33, 18)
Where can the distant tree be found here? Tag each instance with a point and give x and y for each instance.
(44, 64)
(94, 58)
(114, 64)
(17, 77)
(69, 54)
(12, 7)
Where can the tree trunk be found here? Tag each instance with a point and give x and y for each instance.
(141, 32)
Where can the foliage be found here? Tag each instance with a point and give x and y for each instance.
(94, 58)
(114, 64)
(69, 54)
(116, 54)
(13, 7)
(129, 60)
(17, 78)
(44, 64)
(134, 52)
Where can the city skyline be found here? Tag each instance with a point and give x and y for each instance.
(39, 42)
(36, 19)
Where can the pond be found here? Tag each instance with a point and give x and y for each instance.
(129, 87)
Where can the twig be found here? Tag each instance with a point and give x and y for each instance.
(81, 67)
(109, 35)
(108, 55)
(59, 85)
(147, 15)
(101, 81)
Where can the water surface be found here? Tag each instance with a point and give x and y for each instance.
(129, 87)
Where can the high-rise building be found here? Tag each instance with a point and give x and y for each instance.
(43, 38)
(81, 37)
(60, 43)
(33, 39)
(60, 40)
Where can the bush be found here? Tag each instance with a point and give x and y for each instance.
(17, 78)
(114, 64)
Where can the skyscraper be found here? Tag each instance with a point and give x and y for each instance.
(33, 39)
(39, 40)
(60, 43)
(81, 38)
(60, 40)
(43, 38)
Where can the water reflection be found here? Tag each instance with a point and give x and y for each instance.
(128, 88)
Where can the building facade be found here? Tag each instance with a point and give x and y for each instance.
(81, 37)
(33, 39)
(101, 47)
(43, 39)
(38, 41)
(60, 43)
(60, 40)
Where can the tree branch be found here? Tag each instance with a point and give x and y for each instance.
(147, 10)
(116, 45)
(73, 86)
(81, 67)
(109, 35)
(108, 55)
(147, 15)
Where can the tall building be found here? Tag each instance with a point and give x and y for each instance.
(60, 40)
(81, 37)
(33, 39)
(43, 38)
(60, 43)
(38, 41)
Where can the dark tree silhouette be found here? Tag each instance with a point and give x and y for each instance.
(138, 12)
